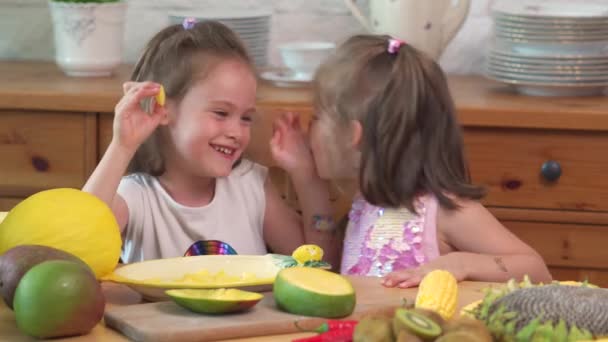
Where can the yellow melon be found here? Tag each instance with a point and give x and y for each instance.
(67, 219)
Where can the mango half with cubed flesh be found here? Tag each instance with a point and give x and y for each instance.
(215, 301)
(314, 292)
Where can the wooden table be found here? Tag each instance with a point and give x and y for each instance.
(368, 290)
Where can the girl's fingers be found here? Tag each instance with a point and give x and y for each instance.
(394, 278)
(275, 140)
(411, 282)
(280, 124)
(159, 113)
(130, 86)
(295, 121)
(127, 86)
(136, 95)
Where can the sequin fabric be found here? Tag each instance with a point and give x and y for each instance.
(381, 240)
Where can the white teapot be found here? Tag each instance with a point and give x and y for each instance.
(429, 25)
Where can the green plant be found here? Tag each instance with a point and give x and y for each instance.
(86, 1)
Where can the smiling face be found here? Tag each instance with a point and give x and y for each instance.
(210, 127)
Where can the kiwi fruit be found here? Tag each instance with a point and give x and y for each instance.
(471, 326)
(415, 323)
(406, 336)
(373, 329)
(460, 336)
(432, 315)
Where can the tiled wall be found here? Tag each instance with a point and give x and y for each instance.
(26, 32)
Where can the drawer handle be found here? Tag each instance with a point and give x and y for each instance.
(551, 170)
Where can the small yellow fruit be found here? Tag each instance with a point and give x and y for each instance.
(160, 97)
(306, 253)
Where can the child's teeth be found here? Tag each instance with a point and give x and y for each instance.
(223, 150)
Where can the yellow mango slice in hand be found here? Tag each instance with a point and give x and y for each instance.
(160, 97)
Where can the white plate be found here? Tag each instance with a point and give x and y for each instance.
(571, 49)
(552, 8)
(552, 22)
(548, 57)
(551, 39)
(539, 25)
(544, 89)
(254, 28)
(249, 272)
(540, 66)
(546, 80)
(284, 78)
(565, 73)
(232, 14)
(550, 34)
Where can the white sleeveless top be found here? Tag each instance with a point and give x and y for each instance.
(159, 227)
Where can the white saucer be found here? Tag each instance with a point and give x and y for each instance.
(285, 78)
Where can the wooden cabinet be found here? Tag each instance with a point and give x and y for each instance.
(558, 174)
(510, 163)
(43, 150)
(53, 130)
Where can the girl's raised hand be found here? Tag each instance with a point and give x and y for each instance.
(289, 146)
(132, 124)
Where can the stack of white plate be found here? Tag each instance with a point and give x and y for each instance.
(551, 47)
(252, 26)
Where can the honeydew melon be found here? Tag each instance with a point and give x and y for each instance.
(70, 220)
(215, 301)
(314, 292)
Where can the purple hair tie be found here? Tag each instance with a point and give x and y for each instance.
(188, 23)
(394, 45)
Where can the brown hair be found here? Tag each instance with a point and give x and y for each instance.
(177, 58)
(411, 141)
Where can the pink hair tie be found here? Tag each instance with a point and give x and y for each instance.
(394, 45)
(188, 23)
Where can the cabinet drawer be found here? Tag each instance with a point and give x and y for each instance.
(565, 245)
(42, 150)
(509, 161)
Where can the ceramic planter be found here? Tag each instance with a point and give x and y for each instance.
(88, 37)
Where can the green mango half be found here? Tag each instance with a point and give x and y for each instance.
(215, 301)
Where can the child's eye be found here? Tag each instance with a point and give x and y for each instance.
(247, 118)
(220, 113)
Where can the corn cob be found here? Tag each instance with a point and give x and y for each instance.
(438, 291)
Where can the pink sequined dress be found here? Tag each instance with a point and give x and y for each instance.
(381, 240)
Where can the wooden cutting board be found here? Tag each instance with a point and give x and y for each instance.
(166, 321)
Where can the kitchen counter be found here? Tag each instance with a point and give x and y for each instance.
(368, 291)
(480, 102)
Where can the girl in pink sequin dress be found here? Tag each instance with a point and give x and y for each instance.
(384, 117)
